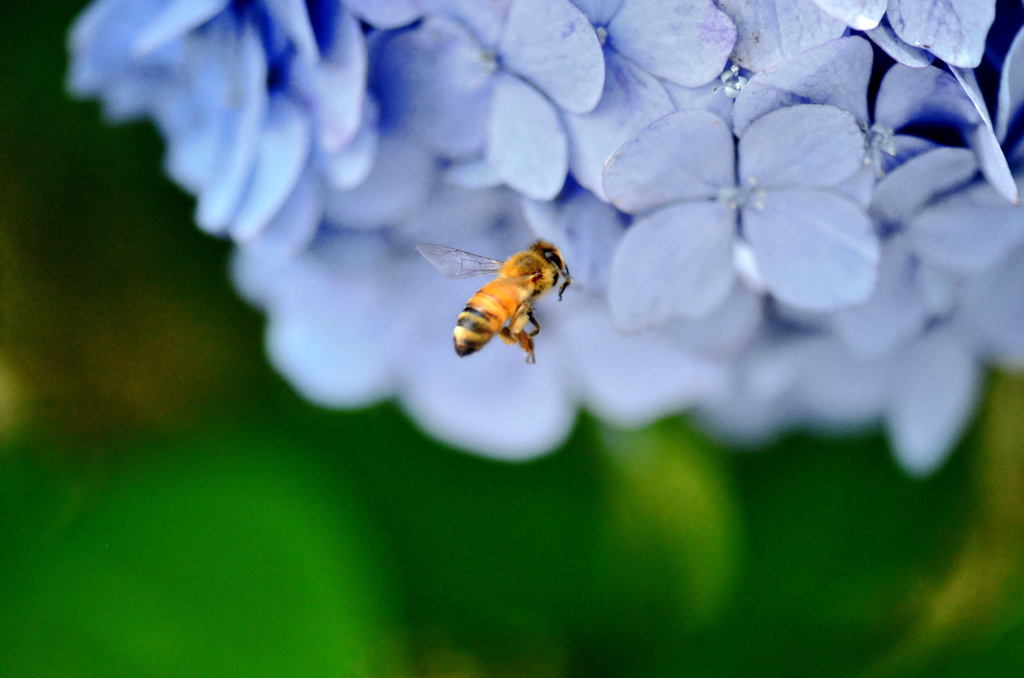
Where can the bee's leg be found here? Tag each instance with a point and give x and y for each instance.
(516, 326)
(526, 343)
(506, 335)
(536, 325)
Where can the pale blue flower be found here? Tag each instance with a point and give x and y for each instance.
(490, 79)
(812, 246)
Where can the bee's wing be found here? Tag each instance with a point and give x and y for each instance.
(455, 263)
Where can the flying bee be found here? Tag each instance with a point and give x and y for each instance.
(505, 305)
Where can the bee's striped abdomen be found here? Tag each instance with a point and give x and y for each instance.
(485, 313)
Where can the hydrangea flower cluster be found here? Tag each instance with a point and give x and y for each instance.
(778, 213)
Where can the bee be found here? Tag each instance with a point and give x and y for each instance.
(503, 306)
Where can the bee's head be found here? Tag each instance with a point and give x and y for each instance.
(554, 257)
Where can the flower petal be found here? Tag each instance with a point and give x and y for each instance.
(995, 304)
(673, 263)
(837, 390)
(726, 329)
(711, 97)
(349, 167)
(632, 99)
(885, 37)
(398, 184)
(296, 223)
(385, 13)
(631, 380)
(526, 144)
(433, 82)
(772, 29)
(175, 19)
(552, 44)
(484, 19)
(808, 144)
(599, 11)
(293, 19)
(338, 81)
(816, 249)
(311, 336)
(968, 231)
(904, 191)
(835, 73)
(934, 391)
(240, 137)
(861, 15)
(472, 174)
(953, 31)
(284, 148)
(909, 96)
(682, 156)
(894, 314)
(982, 139)
(683, 41)
(1011, 86)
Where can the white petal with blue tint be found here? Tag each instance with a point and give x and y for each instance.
(465, 217)
(1011, 86)
(967, 232)
(861, 15)
(311, 336)
(350, 166)
(805, 145)
(953, 31)
(682, 156)
(632, 99)
(484, 19)
(436, 81)
(835, 73)
(385, 13)
(284, 148)
(339, 85)
(526, 144)
(599, 11)
(398, 184)
(816, 250)
(995, 303)
(586, 230)
(292, 17)
(674, 263)
(552, 44)
(472, 174)
(907, 189)
(176, 18)
(711, 97)
(296, 223)
(836, 390)
(726, 329)
(922, 95)
(240, 136)
(886, 38)
(632, 380)
(933, 392)
(772, 29)
(684, 41)
(894, 314)
(983, 139)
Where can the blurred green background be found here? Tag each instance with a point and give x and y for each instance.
(169, 507)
